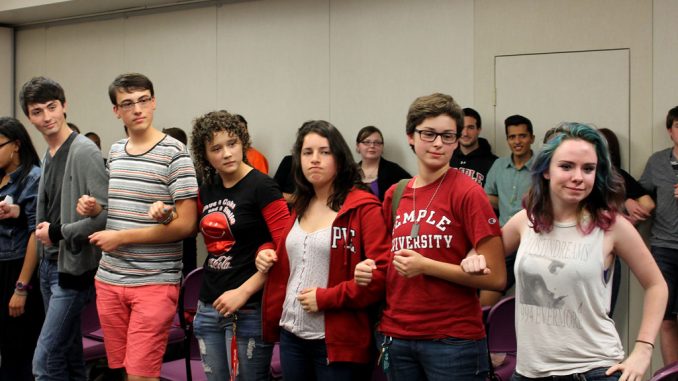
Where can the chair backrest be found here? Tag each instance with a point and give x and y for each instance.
(667, 373)
(89, 319)
(191, 289)
(501, 327)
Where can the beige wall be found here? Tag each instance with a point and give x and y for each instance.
(278, 63)
(6, 70)
(352, 62)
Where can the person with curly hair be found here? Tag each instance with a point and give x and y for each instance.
(241, 214)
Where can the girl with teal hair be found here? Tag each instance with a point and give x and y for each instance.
(567, 238)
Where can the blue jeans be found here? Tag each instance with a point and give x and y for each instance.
(58, 355)
(303, 359)
(439, 359)
(214, 333)
(597, 374)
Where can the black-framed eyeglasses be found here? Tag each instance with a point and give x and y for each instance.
(129, 105)
(431, 136)
(6, 143)
(375, 143)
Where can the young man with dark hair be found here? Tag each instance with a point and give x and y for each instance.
(507, 182)
(138, 278)
(72, 167)
(473, 156)
(660, 179)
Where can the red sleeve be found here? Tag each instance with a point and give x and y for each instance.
(277, 217)
(481, 220)
(374, 244)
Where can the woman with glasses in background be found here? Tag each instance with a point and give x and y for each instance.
(21, 304)
(377, 173)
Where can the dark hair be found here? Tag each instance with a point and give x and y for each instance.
(94, 137)
(606, 197)
(13, 130)
(204, 128)
(474, 114)
(40, 90)
(73, 127)
(612, 145)
(241, 119)
(516, 120)
(177, 133)
(128, 83)
(367, 131)
(671, 117)
(348, 173)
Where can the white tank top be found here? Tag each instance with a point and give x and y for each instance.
(562, 299)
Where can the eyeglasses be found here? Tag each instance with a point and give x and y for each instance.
(143, 102)
(373, 143)
(430, 136)
(6, 143)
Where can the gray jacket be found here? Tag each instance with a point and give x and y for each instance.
(84, 174)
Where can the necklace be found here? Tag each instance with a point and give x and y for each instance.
(415, 227)
(368, 177)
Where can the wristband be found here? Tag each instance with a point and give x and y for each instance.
(21, 286)
(645, 342)
(20, 292)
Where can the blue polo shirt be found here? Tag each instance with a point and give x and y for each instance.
(509, 184)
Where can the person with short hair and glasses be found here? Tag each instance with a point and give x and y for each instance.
(431, 327)
(376, 172)
(152, 208)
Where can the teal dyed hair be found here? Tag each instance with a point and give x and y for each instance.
(606, 197)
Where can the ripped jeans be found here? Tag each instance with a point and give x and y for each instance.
(214, 333)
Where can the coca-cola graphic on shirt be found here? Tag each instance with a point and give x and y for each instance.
(216, 228)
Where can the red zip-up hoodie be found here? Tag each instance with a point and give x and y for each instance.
(358, 232)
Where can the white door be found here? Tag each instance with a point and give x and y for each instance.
(549, 88)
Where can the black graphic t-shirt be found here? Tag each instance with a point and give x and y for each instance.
(233, 227)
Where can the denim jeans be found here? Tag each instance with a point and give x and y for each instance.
(303, 359)
(58, 355)
(439, 359)
(597, 374)
(214, 333)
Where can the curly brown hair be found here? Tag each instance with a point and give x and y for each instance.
(204, 128)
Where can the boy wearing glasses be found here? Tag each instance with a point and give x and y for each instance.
(507, 181)
(138, 278)
(432, 327)
(71, 167)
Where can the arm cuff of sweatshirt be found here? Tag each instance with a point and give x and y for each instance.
(55, 233)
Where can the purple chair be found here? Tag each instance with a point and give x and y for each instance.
(190, 367)
(92, 349)
(501, 338)
(667, 373)
(276, 368)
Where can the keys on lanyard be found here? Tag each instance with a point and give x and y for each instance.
(384, 358)
(234, 350)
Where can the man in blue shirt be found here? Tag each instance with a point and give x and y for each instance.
(507, 182)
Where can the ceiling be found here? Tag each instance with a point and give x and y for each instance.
(17, 13)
